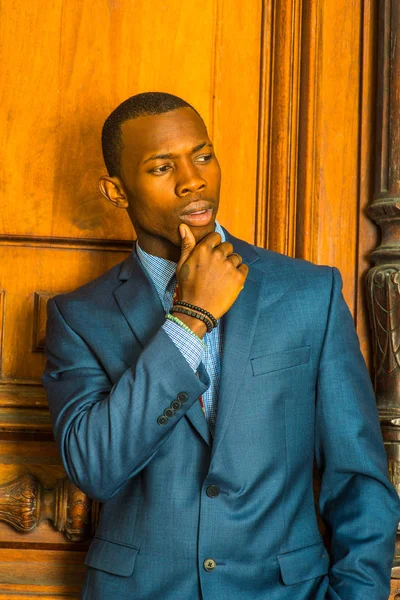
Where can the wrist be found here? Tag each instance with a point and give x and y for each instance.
(198, 327)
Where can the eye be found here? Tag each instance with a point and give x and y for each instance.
(204, 158)
(161, 170)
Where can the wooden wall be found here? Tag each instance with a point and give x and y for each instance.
(287, 89)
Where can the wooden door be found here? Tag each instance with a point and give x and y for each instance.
(287, 89)
(66, 64)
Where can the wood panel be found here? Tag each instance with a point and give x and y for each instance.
(18, 569)
(315, 169)
(65, 67)
(31, 273)
(54, 116)
(277, 209)
(234, 122)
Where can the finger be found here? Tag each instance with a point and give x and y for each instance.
(211, 239)
(235, 259)
(226, 248)
(188, 242)
(244, 269)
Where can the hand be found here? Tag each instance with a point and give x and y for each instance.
(209, 274)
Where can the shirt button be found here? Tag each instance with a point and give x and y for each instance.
(209, 564)
(182, 397)
(212, 491)
(162, 420)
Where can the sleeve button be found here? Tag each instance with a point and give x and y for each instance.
(162, 420)
(169, 412)
(175, 404)
(182, 397)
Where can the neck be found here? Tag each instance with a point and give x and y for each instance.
(161, 248)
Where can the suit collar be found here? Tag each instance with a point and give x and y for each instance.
(247, 251)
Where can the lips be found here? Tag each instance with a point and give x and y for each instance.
(198, 213)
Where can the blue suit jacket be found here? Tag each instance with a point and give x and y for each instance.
(294, 387)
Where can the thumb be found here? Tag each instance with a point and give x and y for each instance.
(188, 242)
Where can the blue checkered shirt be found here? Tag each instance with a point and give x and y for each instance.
(162, 274)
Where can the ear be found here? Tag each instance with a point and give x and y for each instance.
(113, 190)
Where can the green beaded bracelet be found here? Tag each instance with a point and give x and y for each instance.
(184, 326)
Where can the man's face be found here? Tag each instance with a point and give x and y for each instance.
(170, 175)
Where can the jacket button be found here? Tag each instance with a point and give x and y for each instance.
(162, 420)
(175, 404)
(182, 397)
(169, 412)
(209, 564)
(212, 491)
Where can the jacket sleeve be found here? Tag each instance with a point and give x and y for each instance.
(357, 501)
(108, 433)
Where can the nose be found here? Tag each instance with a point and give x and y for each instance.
(189, 180)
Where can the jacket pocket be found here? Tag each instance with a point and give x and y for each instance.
(280, 360)
(111, 557)
(306, 563)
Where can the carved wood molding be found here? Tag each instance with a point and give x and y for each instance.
(67, 243)
(279, 125)
(25, 502)
(40, 300)
(383, 281)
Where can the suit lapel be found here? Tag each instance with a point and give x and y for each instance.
(139, 302)
(238, 325)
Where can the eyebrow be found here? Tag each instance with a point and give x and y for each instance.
(171, 155)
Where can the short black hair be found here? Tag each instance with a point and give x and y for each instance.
(147, 103)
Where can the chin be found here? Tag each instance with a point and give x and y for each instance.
(201, 232)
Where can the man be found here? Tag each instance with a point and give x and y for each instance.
(200, 439)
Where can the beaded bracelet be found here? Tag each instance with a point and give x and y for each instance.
(184, 326)
(198, 309)
(191, 313)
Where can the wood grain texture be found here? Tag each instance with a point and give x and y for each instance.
(40, 300)
(235, 112)
(2, 309)
(266, 54)
(282, 142)
(64, 70)
(328, 220)
(367, 234)
(26, 270)
(316, 138)
(54, 116)
(20, 568)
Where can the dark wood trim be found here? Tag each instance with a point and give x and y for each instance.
(67, 243)
(383, 282)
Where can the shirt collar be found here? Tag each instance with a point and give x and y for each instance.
(161, 270)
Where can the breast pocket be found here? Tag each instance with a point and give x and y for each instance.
(280, 360)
